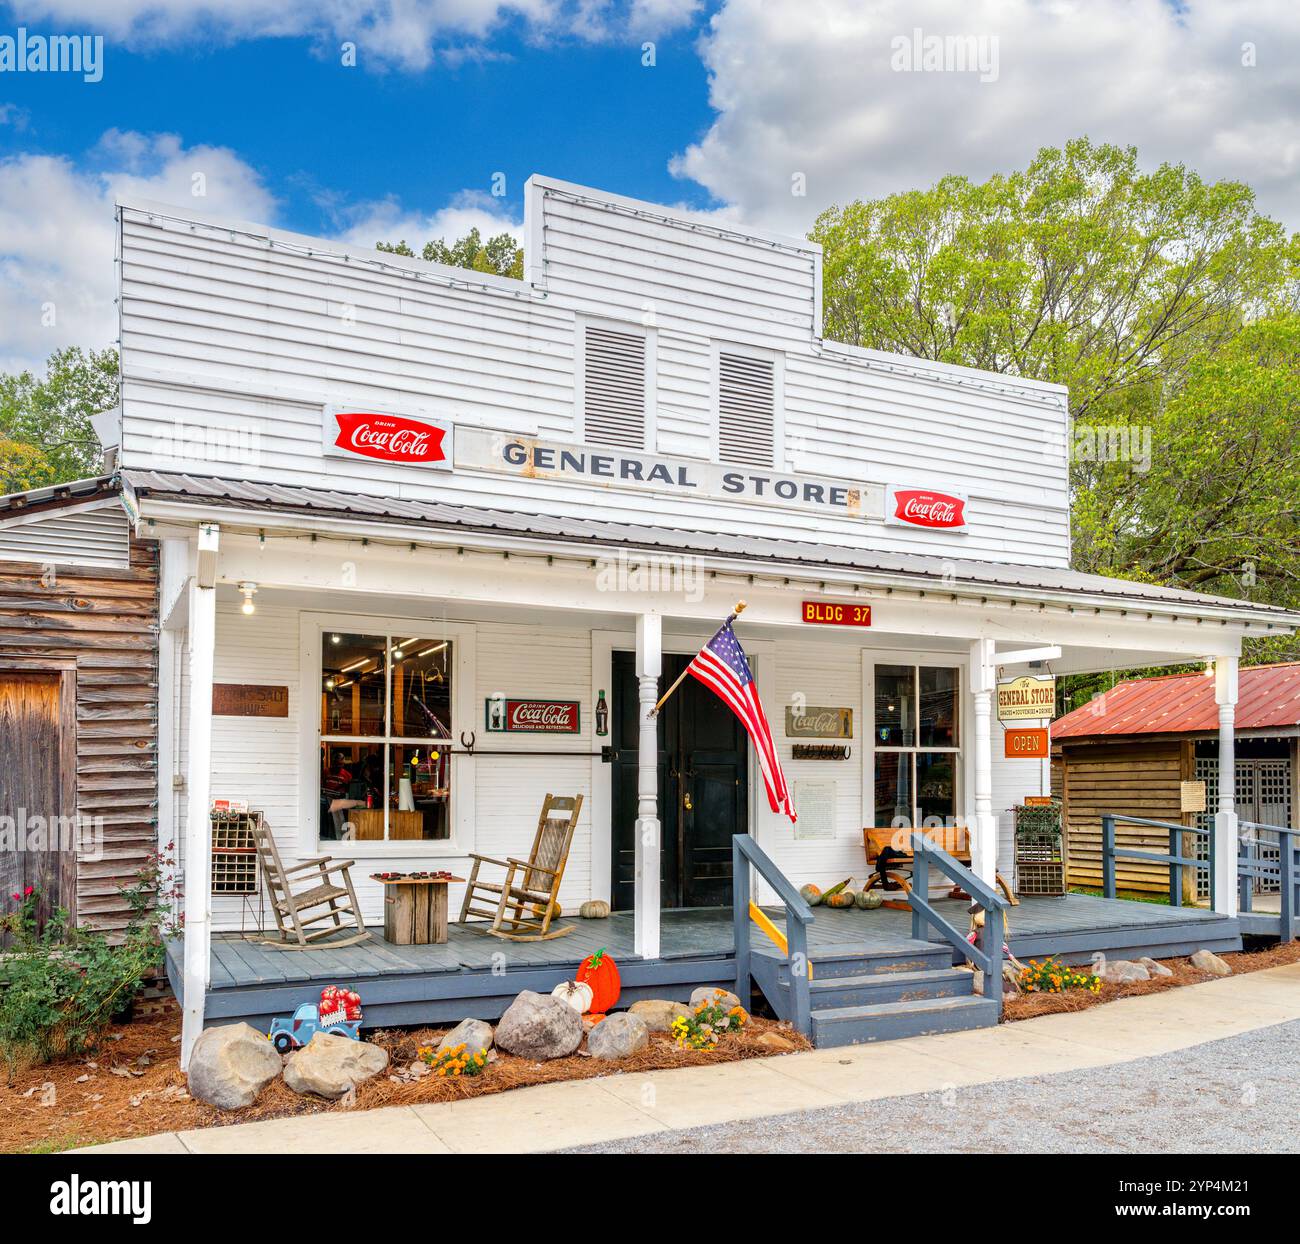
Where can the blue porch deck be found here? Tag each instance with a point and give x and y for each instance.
(476, 974)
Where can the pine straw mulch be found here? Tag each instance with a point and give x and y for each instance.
(133, 1085)
(1029, 1005)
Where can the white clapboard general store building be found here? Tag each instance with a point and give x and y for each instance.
(432, 542)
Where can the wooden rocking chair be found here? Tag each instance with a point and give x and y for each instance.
(529, 886)
(325, 900)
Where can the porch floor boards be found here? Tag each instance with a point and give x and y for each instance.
(474, 973)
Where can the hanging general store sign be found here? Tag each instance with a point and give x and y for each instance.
(1027, 698)
(356, 432)
(924, 507)
(604, 467)
(503, 715)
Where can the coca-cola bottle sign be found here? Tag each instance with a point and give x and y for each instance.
(390, 438)
(920, 507)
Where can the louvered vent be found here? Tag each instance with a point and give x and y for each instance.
(746, 410)
(614, 389)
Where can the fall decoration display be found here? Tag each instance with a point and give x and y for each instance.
(578, 994)
(840, 899)
(811, 894)
(594, 909)
(869, 900)
(601, 973)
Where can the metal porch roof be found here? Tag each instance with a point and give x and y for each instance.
(207, 491)
(1268, 695)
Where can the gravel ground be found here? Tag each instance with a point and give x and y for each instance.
(1238, 1095)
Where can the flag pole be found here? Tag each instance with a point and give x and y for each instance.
(654, 712)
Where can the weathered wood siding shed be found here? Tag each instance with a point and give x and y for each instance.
(79, 607)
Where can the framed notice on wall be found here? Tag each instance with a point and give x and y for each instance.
(235, 699)
(814, 801)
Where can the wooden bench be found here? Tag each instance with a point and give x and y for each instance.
(897, 871)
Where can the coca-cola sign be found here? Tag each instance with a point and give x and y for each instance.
(503, 715)
(386, 437)
(925, 507)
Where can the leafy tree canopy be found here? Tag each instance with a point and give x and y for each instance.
(501, 254)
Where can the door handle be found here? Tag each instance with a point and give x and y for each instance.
(686, 802)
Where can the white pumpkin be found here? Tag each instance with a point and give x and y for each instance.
(576, 993)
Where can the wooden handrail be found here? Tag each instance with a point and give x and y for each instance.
(1174, 858)
(1285, 871)
(745, 852)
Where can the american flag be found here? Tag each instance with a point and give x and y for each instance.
(721, 666)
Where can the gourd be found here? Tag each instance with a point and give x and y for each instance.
(578, 994)
(601, 973)
(834, 890)
(869, 900)
(594, 909)
(811, 894)
(841, 899)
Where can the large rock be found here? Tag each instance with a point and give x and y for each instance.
(473, 1034)
(1208, 961)
(618, 1036)
(708, 993)
(658, 1013)
(231, 1065)
(1122, 971)
(1154, 966)
(539, 1026)
(330, 1065)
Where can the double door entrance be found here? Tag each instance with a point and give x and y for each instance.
(703, 788)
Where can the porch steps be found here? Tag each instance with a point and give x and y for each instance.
(857, 995)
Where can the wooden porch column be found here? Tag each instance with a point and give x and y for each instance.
(649, 661)
(983, 824)
(198, 780)
(1225, 819)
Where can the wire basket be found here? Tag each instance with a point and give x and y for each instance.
(1042, 862)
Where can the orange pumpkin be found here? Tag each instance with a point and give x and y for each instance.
(601, 973)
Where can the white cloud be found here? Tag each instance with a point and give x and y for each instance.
(411, 34)
(386, 220)
(57, 231)
(806, 86)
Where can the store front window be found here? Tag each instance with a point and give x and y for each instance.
(385, 734)
(917, 748)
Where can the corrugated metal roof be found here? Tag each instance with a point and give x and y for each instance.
(1268, 695)
(206, 491)
(51, 495)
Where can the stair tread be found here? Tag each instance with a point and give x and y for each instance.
(903, 1008)
(884, 980)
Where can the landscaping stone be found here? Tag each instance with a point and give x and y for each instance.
(774, 1041)
(658, 1013)
(474, 1034)
(540, 1027)
(231, 1065)
(330, 1065)
(1154, 966)
(1122, 971)
(618, 1036)
(706, 993)
(1208, 961)
(1010, 981)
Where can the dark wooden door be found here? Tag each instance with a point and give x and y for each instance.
(36, 782)
(703, 793)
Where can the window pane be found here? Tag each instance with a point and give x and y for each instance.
(938, 707)
(936, 787)
(893, 790)
(352, 684)
(422, 673)
(896, 705)
(419, 800)
(352, 791)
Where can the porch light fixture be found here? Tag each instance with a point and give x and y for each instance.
(249, 590)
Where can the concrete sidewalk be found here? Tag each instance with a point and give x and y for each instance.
(617, 1107)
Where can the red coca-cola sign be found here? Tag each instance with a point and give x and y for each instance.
(390, 438)
(921, 507)
(508, 716)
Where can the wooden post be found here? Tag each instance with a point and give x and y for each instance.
(1223, 849)
(740, 883)
(1108, 856)
(984, 829)
(198, 769)
(646, 900)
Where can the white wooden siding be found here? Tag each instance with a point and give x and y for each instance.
(97, 536)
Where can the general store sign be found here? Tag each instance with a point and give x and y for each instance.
(358, 432)
(603, 467)
(1026, 698)
(506, 716)
(924, 507)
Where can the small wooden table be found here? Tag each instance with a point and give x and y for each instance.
(415, 910)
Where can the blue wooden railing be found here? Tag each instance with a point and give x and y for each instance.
(745, 852)
(986, 952)
(1251, 867)
(1175, 859)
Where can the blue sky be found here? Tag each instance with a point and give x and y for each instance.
(746, 100)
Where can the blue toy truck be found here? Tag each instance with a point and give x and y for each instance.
(293, 1034)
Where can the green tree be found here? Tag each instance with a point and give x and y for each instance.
(45, 432)
(500, 254)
